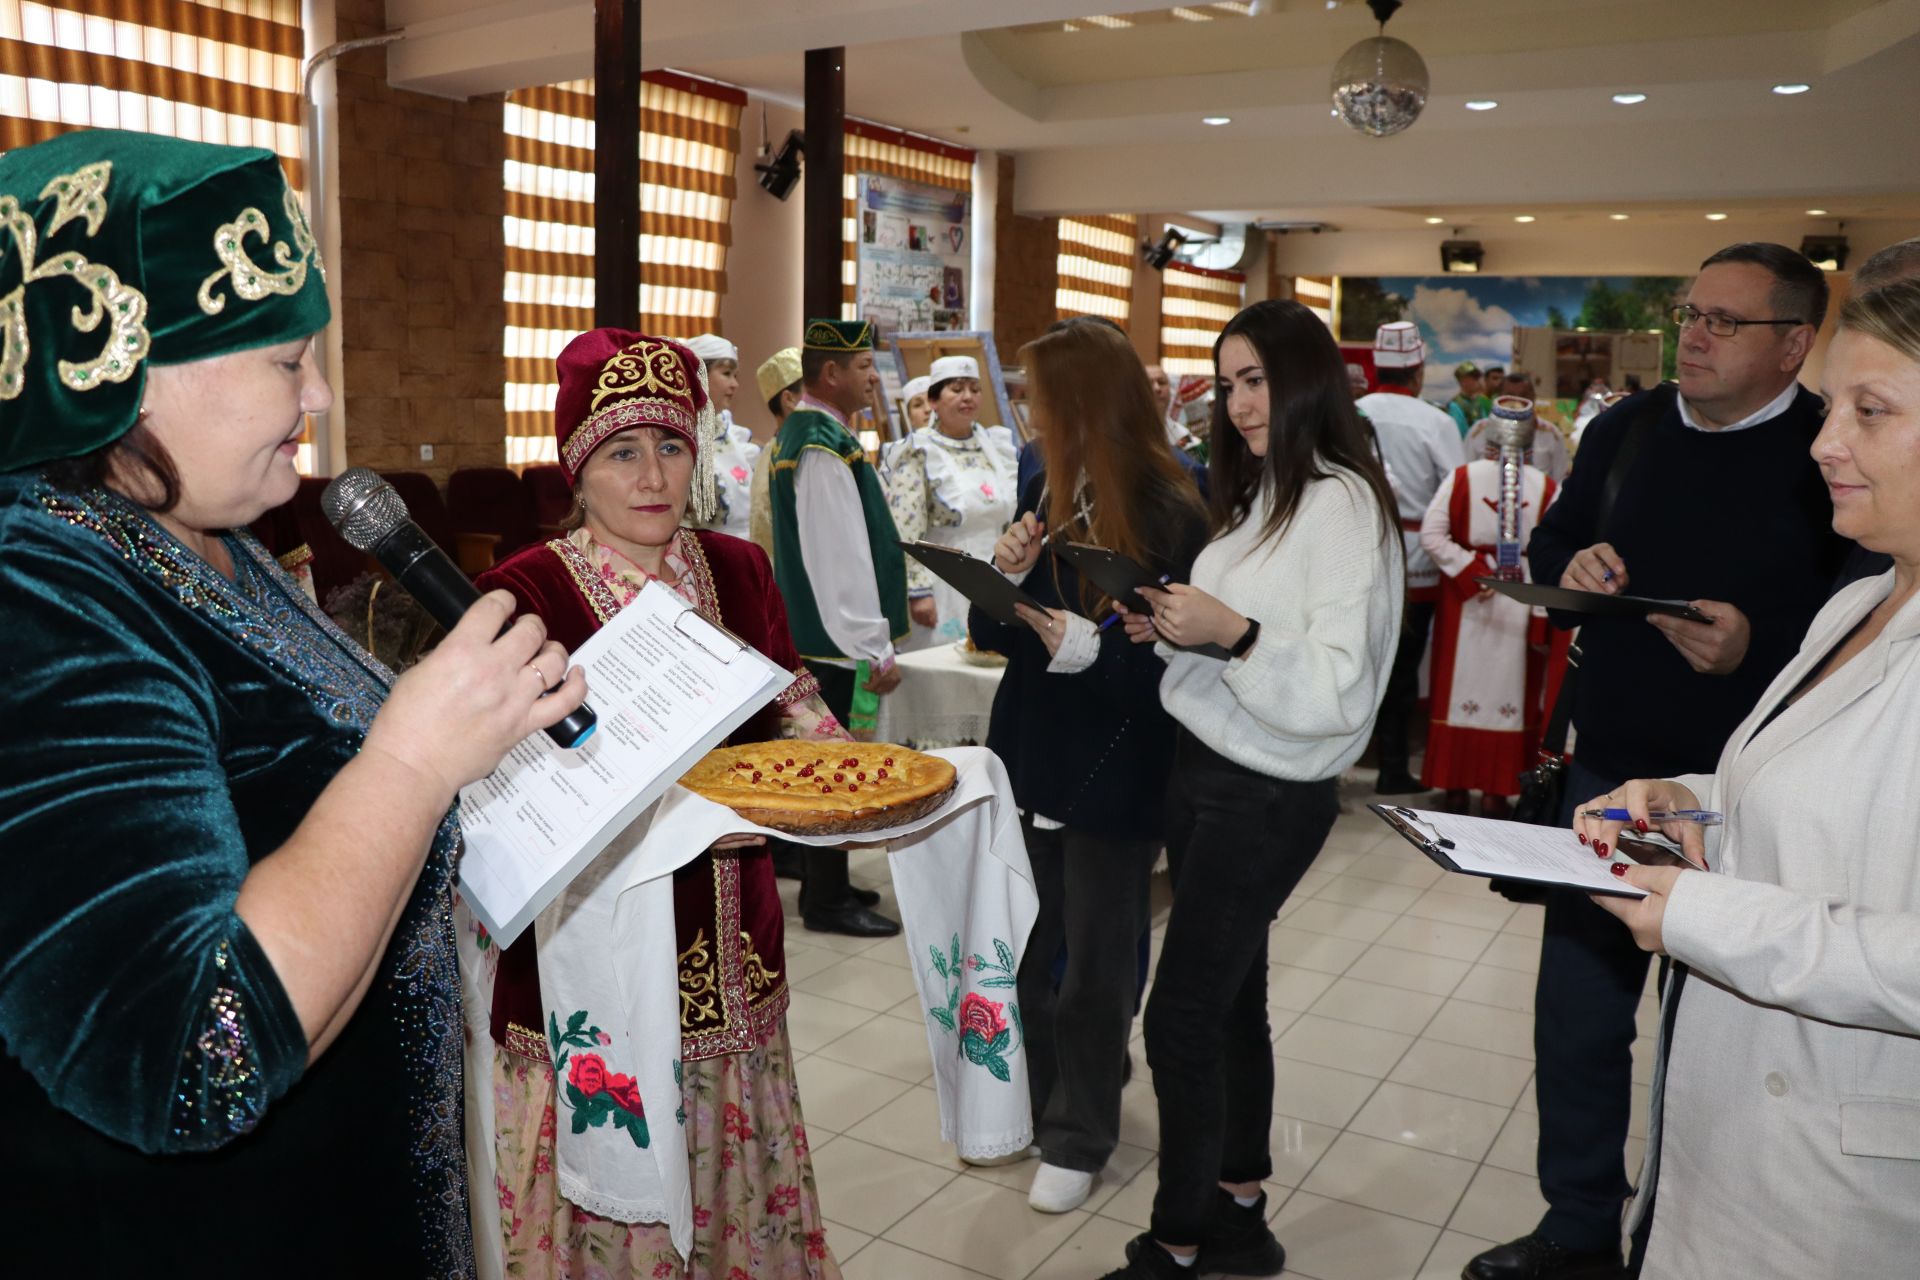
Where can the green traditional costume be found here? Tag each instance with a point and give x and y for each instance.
(169, 727)
(813, 428)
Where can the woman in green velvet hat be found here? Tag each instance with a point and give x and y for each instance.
(229, 999)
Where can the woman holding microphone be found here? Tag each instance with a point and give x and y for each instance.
(1786, 1114)
(1277, 657)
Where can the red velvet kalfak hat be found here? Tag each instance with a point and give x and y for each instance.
(614, 379)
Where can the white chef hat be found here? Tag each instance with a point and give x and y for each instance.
(711, 346)
(950, 367)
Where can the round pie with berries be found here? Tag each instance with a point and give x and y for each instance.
(813, 788)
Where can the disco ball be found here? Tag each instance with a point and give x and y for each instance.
(1379, 86)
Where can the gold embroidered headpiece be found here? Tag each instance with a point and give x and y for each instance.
(119, 250)
(839, 336)
(612, 380)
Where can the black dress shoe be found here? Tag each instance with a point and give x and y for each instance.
(1239, 1242)
(850, 918)
(1398, 783)
(1535, 1257)
(865, 897)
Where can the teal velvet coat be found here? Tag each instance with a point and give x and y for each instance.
(161, 730)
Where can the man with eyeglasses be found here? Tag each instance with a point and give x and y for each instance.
(1718, 502)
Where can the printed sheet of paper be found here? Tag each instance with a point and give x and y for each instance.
(1509, 850)
(668, 686)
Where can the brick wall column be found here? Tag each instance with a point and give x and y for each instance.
(422, 267)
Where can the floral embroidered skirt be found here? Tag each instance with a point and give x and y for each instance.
(756, 1211)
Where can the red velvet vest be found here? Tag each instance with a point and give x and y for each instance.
(733, 985)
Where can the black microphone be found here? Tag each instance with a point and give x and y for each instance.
(373, 518)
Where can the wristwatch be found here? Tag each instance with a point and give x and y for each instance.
(1246, 640)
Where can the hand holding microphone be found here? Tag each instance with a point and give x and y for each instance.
(373, 518)
(485, 687)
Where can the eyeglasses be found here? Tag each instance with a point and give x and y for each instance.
(1720, 326)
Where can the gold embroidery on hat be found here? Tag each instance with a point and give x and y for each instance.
(252, 282)
(646, 366)
(82, 195)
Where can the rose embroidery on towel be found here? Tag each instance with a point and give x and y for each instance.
(595, 1095)
(982, 1026)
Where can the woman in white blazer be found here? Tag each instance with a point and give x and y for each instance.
(1786, 1135)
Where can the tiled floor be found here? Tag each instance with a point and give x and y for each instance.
(1404, 1126)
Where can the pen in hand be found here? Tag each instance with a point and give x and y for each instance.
(1704, 817)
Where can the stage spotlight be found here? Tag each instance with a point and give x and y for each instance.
(1461, 255)
(782, 173)
(1159, 255)
(1829, 253)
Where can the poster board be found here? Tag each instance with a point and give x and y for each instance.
(913, 357)
(914, 255)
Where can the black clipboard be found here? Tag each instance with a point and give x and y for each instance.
(1593, 602)
(975, 579)
(1121, 578)
(1436, 846)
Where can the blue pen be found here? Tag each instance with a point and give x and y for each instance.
(1705, 817)
(1108, 621)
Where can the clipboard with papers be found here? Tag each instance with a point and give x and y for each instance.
(670, 683)
(1497, 849)
(1542, 596)
(974, 578)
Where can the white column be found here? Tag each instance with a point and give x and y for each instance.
(986, 201)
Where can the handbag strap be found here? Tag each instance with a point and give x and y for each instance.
(1554, 742)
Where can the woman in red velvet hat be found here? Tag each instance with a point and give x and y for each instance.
(635, 427)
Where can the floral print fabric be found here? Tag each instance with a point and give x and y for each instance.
(957, 493)
(756, 1210)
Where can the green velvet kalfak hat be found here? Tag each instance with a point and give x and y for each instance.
(122, 249)
(839, 336)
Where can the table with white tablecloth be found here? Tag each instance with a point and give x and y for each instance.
(943, 700)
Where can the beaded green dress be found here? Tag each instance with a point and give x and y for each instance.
(165, 729)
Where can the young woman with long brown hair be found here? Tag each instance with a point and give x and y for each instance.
(1078, 723)
(1302, 588)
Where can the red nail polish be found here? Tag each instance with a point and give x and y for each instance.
(1582, 835)
(1600, 847)
(1618, 868)
(1641, 823)
(1599, 851)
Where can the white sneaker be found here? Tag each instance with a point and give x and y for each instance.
(1057, 1190)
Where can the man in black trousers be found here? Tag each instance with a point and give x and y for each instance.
(1721, 504)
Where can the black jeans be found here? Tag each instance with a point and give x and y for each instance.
(824, 883)
(1237, 844)
(1588, 991)
(1394, 731)
(1093, 897)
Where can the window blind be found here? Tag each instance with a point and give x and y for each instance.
(689, 143)
(1195, 305)
(1097, 253)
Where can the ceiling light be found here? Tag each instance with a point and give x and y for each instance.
(1482, 104)
(1434, 222)
(1716, 217)
(1216, 120)
(1816, 213)
(1629, 99)
(1461, 256)
(1523, 217)
(1789, 90)
(1618, 217)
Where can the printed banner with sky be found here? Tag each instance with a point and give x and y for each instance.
(1473, 317)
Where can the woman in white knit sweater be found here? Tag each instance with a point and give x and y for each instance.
(1277, 657)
